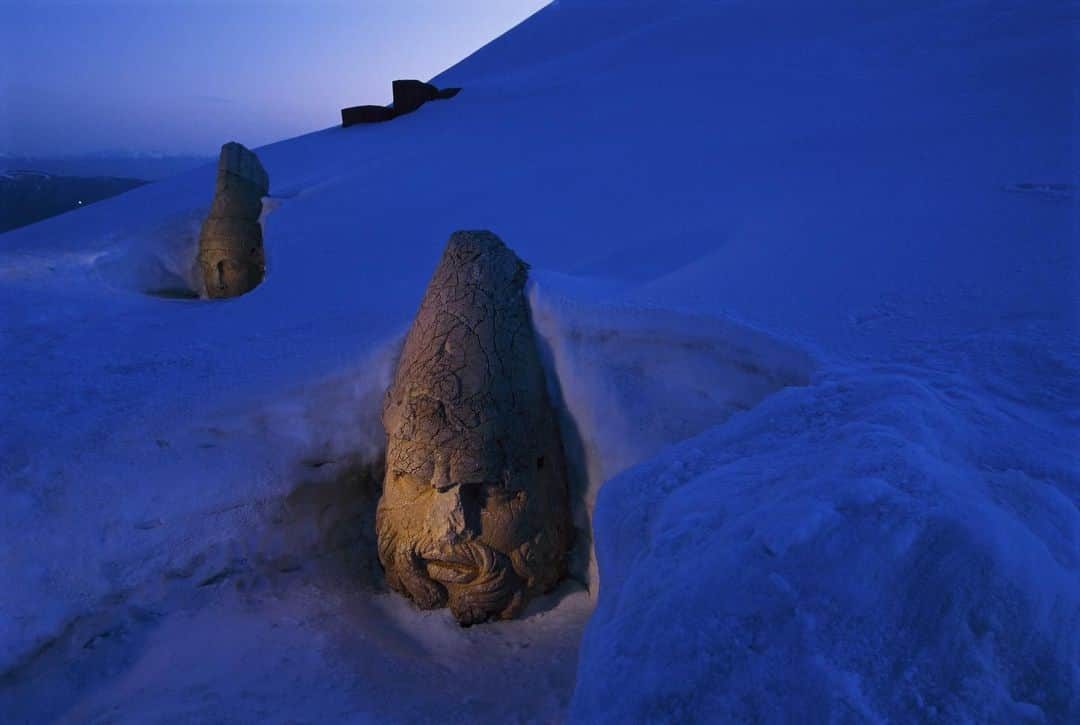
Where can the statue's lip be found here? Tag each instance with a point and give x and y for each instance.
(448, 570)
(450, 563)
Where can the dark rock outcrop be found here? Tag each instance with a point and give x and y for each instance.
(409, 95)
(366, 114)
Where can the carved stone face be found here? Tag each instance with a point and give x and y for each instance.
(230, 276)
(474, 511)
(230, 241)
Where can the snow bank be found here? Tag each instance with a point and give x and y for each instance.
(706, 190)
(258, 483)
(158, 260)
(628, 381)
(891, 544)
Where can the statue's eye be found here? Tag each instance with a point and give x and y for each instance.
(407, 480)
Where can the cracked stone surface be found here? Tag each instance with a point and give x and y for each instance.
(474, 513)
(230, 242)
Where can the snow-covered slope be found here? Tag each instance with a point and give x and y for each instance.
(812, 247)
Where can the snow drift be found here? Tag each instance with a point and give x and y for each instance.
(810, 313)
(872, 547)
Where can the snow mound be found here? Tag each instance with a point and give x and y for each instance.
(882, 528)
(891, 544)
(628, 381)
(158, 260)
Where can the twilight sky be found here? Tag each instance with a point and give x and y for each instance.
(183, 76)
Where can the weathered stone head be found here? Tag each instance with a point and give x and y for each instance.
(474, 512)
(230, 242)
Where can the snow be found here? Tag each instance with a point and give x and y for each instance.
(893, 543)
(806, 278)
(632, 380)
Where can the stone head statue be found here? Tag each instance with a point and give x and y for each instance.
(230, 242)
(474, 512)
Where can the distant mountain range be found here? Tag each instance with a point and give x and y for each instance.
(123, 164)
(30, 196)
(36, 188)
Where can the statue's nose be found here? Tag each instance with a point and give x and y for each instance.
(446, 517)
(440, 475)
(454, 513)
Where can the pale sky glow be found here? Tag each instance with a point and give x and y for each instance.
(172, 76)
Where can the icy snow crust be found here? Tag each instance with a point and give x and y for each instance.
(817, 361)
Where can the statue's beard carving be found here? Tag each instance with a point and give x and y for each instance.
(477, 582)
